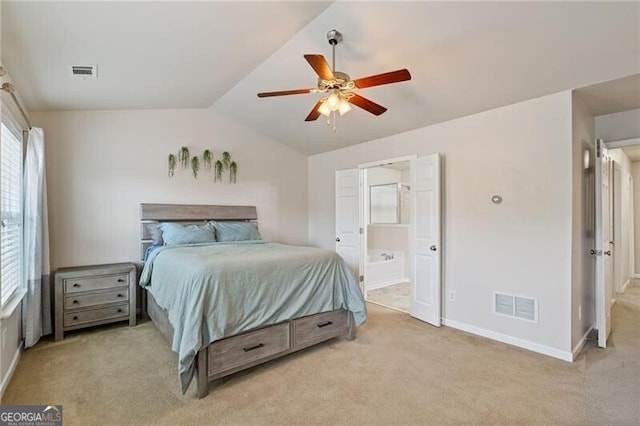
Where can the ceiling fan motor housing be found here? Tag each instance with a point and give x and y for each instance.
(334, 37)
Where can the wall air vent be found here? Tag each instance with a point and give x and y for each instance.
(83, 71)
(524, 308)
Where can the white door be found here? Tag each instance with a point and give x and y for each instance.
(604, 271)
(425, 239)
(348, 218)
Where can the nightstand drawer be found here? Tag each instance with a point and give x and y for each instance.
(82, 300)
(95, 283)
(81, 317)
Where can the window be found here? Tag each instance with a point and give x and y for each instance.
(10, 212)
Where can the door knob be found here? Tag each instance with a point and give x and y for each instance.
(337, 239)
(433, 248)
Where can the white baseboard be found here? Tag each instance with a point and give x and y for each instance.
(635, 276)
(583, 341)
(12, 369)
(514, 341)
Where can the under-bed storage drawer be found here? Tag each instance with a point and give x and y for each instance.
(316, 328)
(234, 352)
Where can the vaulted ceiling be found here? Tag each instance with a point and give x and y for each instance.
(465, 57)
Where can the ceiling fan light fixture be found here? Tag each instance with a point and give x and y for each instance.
(333, 101)
(344, 107)
(324, 108)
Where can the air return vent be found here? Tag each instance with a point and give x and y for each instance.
(83, 71)
(525, 308)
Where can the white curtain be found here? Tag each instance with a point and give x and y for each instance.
(36, 312)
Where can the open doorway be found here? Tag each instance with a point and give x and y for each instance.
(387, 204)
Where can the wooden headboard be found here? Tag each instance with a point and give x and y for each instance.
(188, 214)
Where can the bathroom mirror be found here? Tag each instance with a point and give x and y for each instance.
(384, 206)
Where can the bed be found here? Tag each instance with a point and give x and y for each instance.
(231, 305)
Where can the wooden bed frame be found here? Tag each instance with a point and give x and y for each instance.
(235, 353)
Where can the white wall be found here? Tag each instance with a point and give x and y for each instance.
(522, 246)
(583, 223)
(102, 164)
(618, 126)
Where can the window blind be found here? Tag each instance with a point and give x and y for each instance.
(10, 213)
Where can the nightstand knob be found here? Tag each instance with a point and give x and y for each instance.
(76, 285)
(75, 302)
(120, 280)
(119, 310)
(75, 318)
(120, 295)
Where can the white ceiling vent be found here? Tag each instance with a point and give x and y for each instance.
(524, 308)
(83, 71)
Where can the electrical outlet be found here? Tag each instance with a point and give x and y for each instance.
(452, 296)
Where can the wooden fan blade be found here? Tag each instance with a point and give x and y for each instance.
(320, 66)
(380, 79)
(315, 113)
(284, 92)
(367, 105)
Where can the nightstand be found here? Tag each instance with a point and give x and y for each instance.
(92, 295)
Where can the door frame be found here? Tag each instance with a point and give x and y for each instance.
(364, 202)
(600, 287)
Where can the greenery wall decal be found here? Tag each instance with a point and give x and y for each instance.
(226, 160)
(219, 167)
(184, 157)
(233, 172)
(171, 164)
(195, 166)
(218, 171)
(207, 159)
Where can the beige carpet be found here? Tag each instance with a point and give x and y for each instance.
(398, 371)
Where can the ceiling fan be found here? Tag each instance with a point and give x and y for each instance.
(339, 87)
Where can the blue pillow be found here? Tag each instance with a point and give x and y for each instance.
(174, 234)
(235, 231)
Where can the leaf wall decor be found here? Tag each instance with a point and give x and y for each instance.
(171, 164)
(195, 166)
(218, 171)
(207, 159)
(184, 157)
(233, 172)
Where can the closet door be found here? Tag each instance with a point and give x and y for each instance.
(425, 239)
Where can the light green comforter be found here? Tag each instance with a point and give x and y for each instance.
(217, 290)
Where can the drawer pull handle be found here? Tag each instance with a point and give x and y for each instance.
(258, 346)
(120, 295)
(324, 324)
(75, 318)
(75, 302)
(119, 310)
(76, 285)
(120, 280)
